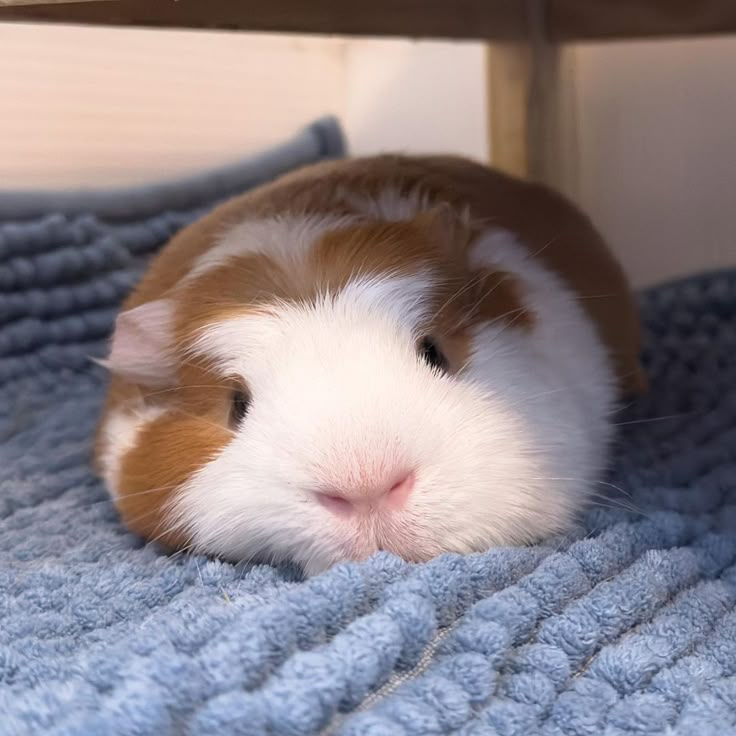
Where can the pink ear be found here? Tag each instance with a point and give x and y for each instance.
(142, 344)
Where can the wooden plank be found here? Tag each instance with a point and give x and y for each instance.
(531, 108)
(508, 72)
(588, 20)
(4, 3)
(419, 18)
(531, 124)
(504, 20)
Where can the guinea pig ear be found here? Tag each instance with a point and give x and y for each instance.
(142, 344)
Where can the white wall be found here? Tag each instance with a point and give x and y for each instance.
(94, 106)
(657, 137)
(87, 106)
(414, 96)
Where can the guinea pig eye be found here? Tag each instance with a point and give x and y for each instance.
(241, 402)
(429, 351)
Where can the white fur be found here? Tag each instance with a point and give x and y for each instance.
(119, 435)
(503, 453)
(389, 205)
(286, 239)
(396, 301)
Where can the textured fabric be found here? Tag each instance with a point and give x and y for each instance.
(628, 627)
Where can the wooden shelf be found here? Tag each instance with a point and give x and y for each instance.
(501, 20)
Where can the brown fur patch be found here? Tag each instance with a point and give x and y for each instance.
(168, 451)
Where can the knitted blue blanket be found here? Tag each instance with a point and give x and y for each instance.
(628, 627)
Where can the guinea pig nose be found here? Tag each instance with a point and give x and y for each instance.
(337, 504)
(392, 495)
(398, 493)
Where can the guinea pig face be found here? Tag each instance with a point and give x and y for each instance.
(384, 410)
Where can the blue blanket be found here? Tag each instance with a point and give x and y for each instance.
(628, 627)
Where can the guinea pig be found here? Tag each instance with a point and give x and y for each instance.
(415, 354)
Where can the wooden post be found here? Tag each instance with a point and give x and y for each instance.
(508, 72)
(531, 98)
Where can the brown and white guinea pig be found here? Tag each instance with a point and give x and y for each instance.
(412, 354)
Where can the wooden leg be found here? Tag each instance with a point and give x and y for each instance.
(508, 72)
(531, 98)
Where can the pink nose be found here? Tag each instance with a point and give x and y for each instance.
(392, 497)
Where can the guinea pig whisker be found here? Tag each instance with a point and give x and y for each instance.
(144, 515)
(613, 499)
(140, 517)
(135, 400)
(484, 222)
(507, 326)
(199, 571)
(662, 418)
(89, 504)
(575, 387)
(603, 502)
(206, 363)
(608, 484)
(464, 288)
(168, 529)
(174, 556)
(503, 316)
(188, 386)
(180, 552)
(533, 397)
(200, 360)
(518, 311)
(466, 317)
(506, 277)
(585, 297)
(202, 419)
(158, 489)
(533, 256)
(611, 504)
(486, 294)
(476, 280)
(464, 366)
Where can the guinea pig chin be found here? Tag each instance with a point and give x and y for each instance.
(393, 533)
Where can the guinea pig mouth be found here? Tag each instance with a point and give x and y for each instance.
(387, 535)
